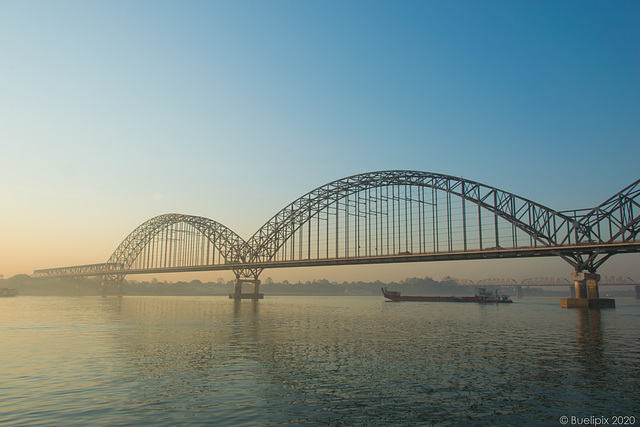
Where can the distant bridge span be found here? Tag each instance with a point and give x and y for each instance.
(381, 217)
(552, 281)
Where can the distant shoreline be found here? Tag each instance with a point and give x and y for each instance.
(27, 285)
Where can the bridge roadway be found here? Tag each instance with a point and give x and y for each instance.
(486, 254)
(383, 217)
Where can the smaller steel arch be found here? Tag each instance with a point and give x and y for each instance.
(231, 246)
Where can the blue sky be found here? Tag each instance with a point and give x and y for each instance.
(112, 112)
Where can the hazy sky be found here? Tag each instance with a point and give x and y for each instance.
(112, 112)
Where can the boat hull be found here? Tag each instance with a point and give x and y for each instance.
(8, 292)
(395, 296)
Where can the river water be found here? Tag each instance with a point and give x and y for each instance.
(314, 360)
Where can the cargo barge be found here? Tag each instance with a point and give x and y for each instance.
(481, 296)
(8, 292)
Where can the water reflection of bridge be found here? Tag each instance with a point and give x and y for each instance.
(383, 217)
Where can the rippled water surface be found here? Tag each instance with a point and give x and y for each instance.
(313, 360)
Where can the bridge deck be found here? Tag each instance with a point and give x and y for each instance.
(111, 269)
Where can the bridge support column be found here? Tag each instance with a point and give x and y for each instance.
(106, 284)
(637, 288)
(518, 291)
(237, 290)
(592, 280)
(580, 284)
(587, 294)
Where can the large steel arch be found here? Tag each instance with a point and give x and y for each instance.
(175, 241)
(407, 204)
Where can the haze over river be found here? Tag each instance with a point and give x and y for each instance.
(314, 360)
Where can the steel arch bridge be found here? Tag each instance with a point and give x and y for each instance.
(381, 217)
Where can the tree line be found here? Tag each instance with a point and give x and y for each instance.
(27, 285)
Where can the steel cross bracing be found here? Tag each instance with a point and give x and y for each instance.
(387, 216)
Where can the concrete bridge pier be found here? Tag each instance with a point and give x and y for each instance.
(586, 293)
(637, 288)
(518, 291)
(105, 288)
(580, 282)
(237, 289)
